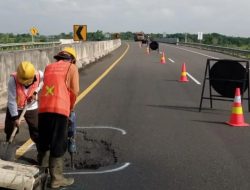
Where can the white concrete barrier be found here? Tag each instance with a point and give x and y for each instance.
(87, 52)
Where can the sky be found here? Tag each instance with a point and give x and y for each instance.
(52, 17)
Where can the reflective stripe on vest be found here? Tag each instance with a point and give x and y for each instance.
(21, 97)
(54, 96)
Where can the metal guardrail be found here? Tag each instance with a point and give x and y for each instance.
(168, 40)
(230, 51)
(25, 46)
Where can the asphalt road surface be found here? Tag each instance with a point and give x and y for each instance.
(139, 128)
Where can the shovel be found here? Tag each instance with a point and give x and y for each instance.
(8, 149)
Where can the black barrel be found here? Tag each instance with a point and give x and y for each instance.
(154, 45)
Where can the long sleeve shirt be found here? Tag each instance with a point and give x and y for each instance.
(12, 96)
(72, 82)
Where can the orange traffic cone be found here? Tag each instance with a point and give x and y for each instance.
(163, 60)
(183, 74)
(147, 50)
(237, 118)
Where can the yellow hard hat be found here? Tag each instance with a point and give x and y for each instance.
(25, 72)
(71, 51)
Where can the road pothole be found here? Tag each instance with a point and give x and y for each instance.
(92, 152)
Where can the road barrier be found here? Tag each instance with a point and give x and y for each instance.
(29, 45)
(87, 52)
(237, 117)
(229, 51)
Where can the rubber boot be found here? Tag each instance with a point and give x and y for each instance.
(43, 159)
(56, 173)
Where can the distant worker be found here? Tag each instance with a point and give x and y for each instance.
(23, 87)
(56, 101)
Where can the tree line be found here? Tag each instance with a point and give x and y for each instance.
(209, 39)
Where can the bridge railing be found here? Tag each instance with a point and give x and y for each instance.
(230, 51)
(29, 45)
(226, 50)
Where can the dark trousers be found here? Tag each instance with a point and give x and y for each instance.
(53, 133)
(31, 117)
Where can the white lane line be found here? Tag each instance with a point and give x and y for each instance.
(190, 76)
(24, 148)
(171, 60)
(199, 53)
(245, 67)
(105, 127)
(194, 52)
(125, 165)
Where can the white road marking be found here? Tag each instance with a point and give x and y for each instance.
(190, 76)
(171, 60)
(104, 171)
(105, 127)
(125, 165)
(24, 148)
(245, 67)
(30, 145)
(194, 52)
(199, 53)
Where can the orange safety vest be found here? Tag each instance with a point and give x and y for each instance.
(55, 96)
(21, 97)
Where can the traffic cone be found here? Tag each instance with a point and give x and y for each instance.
(183, 74)
(163, 60)
(237, 118)
(147, 50)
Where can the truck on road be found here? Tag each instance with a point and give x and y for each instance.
(140, 36)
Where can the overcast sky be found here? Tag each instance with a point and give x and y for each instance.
(227, 17)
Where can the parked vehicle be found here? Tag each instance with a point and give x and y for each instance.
(140, 36)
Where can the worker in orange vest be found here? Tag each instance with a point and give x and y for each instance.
(56, 101)
(23, 87)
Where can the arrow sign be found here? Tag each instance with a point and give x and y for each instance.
(80, 32)
(33, 31)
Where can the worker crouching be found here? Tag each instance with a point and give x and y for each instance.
(23, 87)
(56, 101)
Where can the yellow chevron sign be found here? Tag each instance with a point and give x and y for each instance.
(80, 32)
(34, 31)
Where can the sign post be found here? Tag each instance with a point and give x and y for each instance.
(107, 36)
(223, 77)
(34, 32)
(200, 36)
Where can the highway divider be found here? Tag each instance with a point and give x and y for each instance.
(225, 50)
(87, 52)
